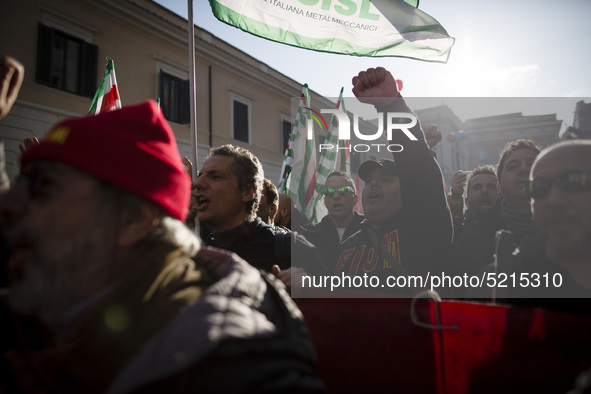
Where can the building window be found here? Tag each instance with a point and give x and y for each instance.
(174, 98)
(66, 62)
(240, 120)
(285, 132)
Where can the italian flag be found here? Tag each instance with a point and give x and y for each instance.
(106, 97)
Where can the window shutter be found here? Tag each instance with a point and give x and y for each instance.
(161, 94)
(88, 66)
(44, 48)
(240, 121)
(185, 103)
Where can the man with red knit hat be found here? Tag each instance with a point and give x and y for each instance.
(110, 290)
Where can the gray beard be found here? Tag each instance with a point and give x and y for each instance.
(57, 277)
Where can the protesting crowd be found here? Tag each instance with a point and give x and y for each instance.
(124, 275)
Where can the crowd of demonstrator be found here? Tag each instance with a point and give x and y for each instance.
(112, 290)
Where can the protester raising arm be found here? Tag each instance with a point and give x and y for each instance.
(11, 79)
(422, 188)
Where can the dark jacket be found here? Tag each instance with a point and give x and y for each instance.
(475, 247)
(330, 241)
(464, 223)
(535, 281)
(264, 246)
(419, 236)
(214, 324)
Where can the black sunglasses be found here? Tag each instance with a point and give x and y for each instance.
(343, 190)
(570, 182)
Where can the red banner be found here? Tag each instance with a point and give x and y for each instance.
(397, 345)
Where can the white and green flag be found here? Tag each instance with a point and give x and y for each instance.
(295, 137)
(352, 27)
(330, 161)
(298, 177)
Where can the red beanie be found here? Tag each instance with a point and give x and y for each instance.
(132, 148)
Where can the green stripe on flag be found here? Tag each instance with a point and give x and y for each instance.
(100, 92)
(370, 28)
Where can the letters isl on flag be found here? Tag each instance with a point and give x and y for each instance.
(357, 27)
(106, 97)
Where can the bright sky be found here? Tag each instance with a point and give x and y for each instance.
(503, 48)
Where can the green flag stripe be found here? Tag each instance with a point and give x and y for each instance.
(428, 42)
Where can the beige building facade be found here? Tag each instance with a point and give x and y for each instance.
(485, 137)
(64, 44)
(468, 144)
(449, 155)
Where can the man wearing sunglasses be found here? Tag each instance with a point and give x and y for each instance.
(407, 227)
(556, 262)
(341, 221)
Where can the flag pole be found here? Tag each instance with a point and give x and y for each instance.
(192, 94)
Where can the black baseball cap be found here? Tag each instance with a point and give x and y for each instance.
(370, 165)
